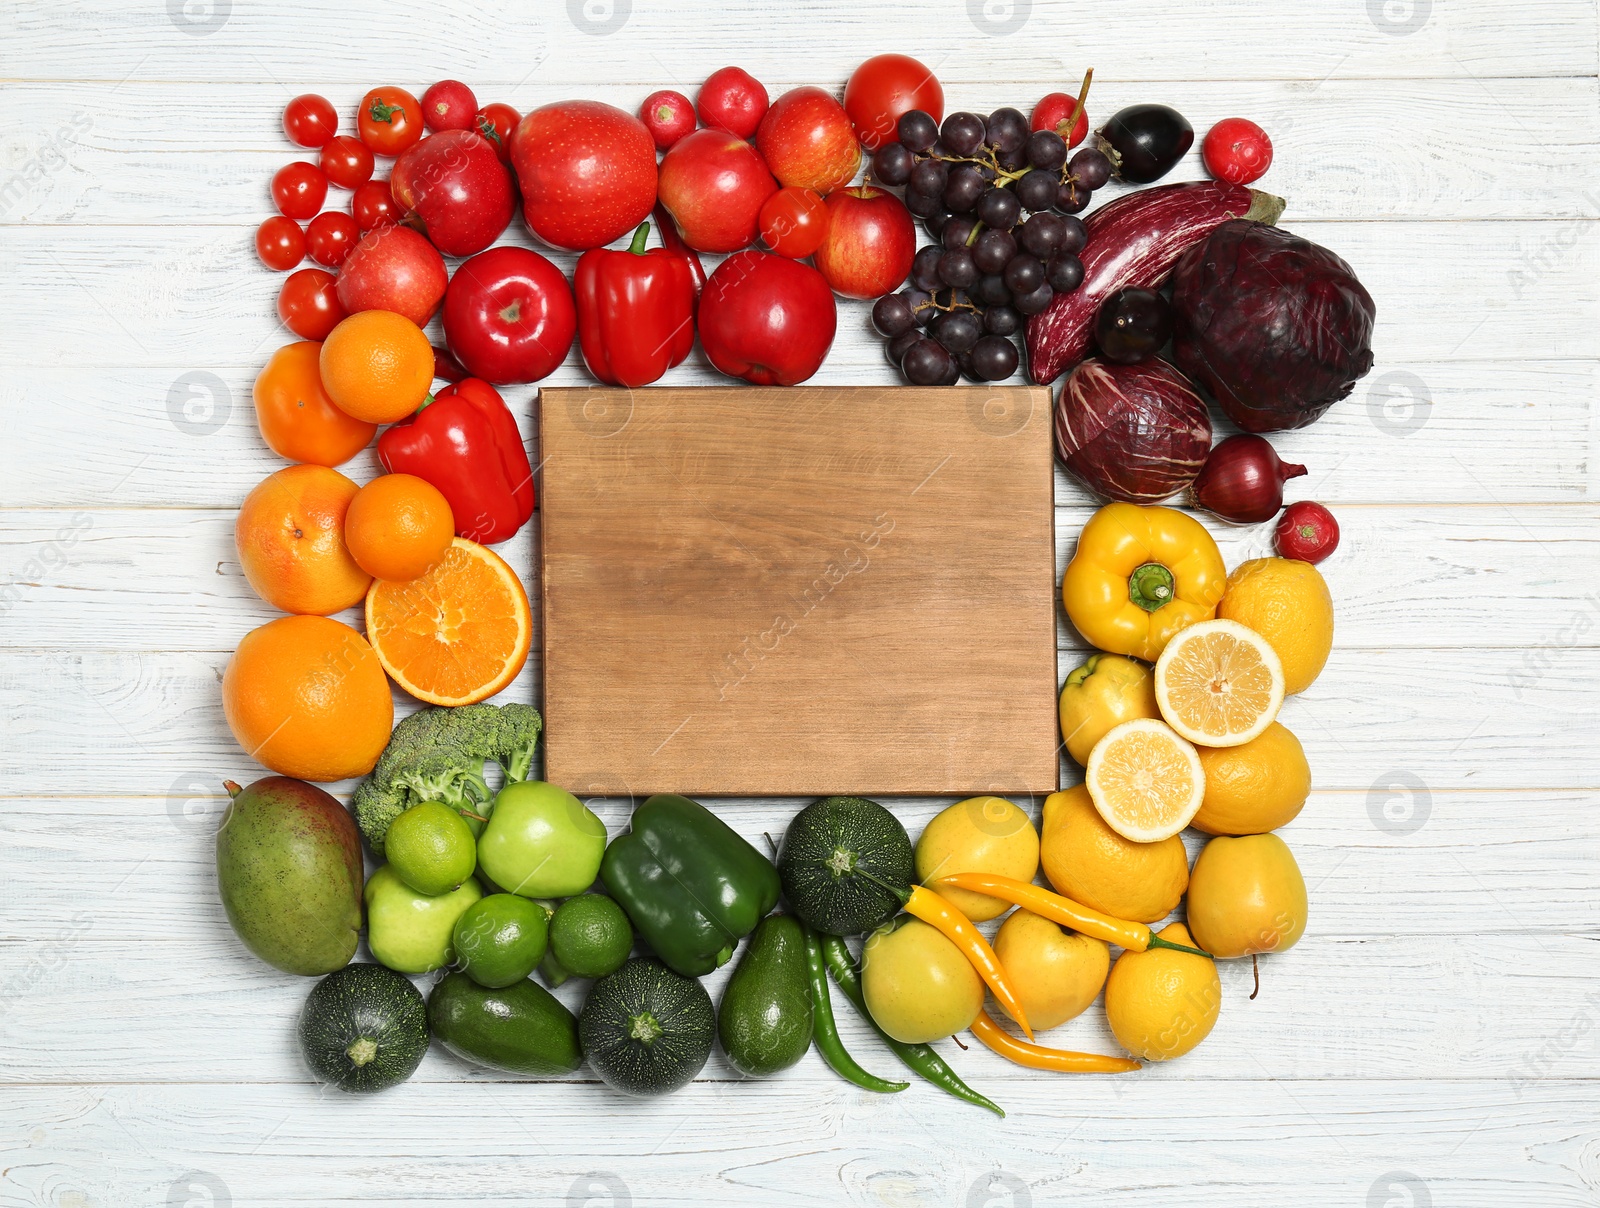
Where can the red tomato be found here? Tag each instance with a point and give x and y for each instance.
(496, 122)
(449, 105)
(883, 88)
(310, 120)
(793, 222)
(330, 237)
(308, 304)
(373, 206)
(389, 120)
(280, 243)
(299, 189)
(347, 162)
(1238, 151)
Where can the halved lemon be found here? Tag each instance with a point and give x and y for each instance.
(1219, 683)
(456, 635)
(1145, 780)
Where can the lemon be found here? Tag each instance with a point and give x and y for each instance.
(1145, 780)
(1247, 896)
(1286, 601)
(1161, 1003)
(1219, 683)
(1056, 973)
(431, 848)
(1087, 861)
(981, 834)
(1253, 788)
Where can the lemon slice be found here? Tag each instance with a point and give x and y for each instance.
(1219, 683)
(1145, 780)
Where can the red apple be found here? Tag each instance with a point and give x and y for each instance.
(807, 141)
(393, 268)
(766, 319)
(458, 189)
(713, 184)
(509, 316)
(869, 242)
(587, 171)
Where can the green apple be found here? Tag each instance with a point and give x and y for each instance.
(541, 842)
(409, 931)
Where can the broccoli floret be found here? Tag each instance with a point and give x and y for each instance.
(437, 754)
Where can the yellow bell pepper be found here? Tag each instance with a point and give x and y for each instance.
(1139, 576)
(1106, 691)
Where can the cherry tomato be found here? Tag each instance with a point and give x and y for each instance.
(495, 123)
(299, 189)
(1237, 150)
(793, 221)
(310, 120)
(389, 120)
(308, 304)
(330, 237)
(347, 162)
(297, 418)
(883, 88)
(449, 105)
(280, 243)
(373, 206)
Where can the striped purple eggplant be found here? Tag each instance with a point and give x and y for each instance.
(1134, 433)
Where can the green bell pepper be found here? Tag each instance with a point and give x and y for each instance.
(692, 886)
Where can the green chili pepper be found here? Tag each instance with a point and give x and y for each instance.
(826, 1031)
(919, 1058)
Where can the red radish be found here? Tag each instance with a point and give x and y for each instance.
(1307, 532)
(449, 105)
(732, 99)
(668, 115)
(1237, 150)
(1243, 479)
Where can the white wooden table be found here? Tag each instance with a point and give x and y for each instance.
(1434, 1040)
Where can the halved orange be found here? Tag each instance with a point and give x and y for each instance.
(457, 634)
(1219, 683)
(1145, 780)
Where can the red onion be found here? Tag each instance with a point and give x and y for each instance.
(1243, 479)
(1134, 433)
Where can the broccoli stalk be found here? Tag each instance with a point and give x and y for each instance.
(437, 754)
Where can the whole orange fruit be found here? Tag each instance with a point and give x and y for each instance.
(377, 366)
(398, 527)
(306, 697)
(297, 418)
(290, 536)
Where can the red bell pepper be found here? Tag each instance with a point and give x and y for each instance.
(465, 442)
(635, 311)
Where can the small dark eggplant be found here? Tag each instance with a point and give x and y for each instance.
(1145, 142)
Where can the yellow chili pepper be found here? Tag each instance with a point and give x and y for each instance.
(1106, 691)
(1135, 937)
(934, 910)
(1141, 574)
(1038, 1057)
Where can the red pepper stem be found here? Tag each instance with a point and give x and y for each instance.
(639, 236)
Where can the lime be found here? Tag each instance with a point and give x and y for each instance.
(590, 936)
(500, 939)
(431, 848)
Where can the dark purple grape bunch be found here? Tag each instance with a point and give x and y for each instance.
(1000, 203)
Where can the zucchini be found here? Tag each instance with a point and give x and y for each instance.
(837, 855)
(364, 1028)
(647, 1030)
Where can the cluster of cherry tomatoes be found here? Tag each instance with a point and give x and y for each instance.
(388, 120)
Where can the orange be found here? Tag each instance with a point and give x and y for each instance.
(456, 635)
(377, 366)
(398, 527)
(306, 697)
(297, 418)
(290, 536)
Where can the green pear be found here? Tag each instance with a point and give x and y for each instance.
(541, 842)
(409, 931)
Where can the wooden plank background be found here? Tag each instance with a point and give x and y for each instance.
(1435, 1039)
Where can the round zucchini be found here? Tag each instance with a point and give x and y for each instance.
(523, 1028)
(647, 1030)
(364, 1028)
(831, 854)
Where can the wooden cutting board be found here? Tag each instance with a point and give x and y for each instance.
(798, 591)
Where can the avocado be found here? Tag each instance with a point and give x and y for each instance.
(523, 1028)
(765, 1018)
(289, 870)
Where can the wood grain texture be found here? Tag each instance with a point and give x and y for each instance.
(782, 591)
